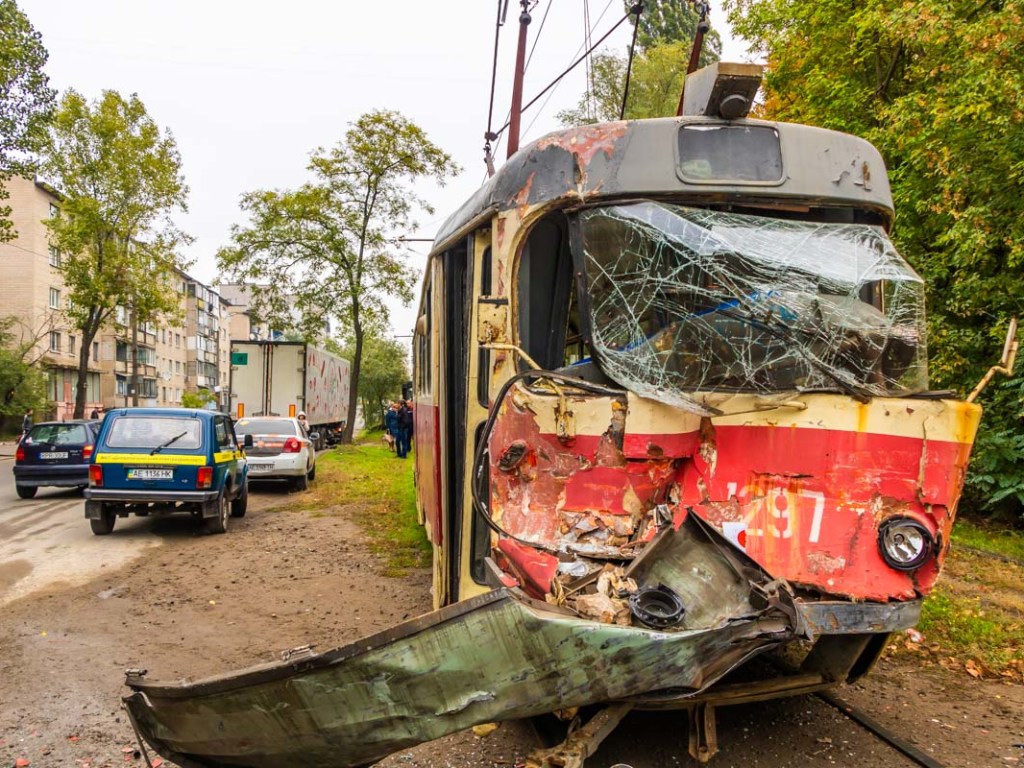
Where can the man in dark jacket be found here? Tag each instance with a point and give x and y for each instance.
(26, 422)
(404, 430)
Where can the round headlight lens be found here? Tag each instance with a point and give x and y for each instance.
(905, 543)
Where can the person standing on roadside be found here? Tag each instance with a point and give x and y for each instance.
(391, 424)
(26, 422)
(404, 430)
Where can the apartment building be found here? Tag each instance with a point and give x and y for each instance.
(32, 292)
(175, 355)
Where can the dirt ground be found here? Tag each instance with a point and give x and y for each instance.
(197, 605)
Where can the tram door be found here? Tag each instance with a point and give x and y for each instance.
(456, 271)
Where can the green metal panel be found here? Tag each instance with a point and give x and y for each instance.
(499, 656)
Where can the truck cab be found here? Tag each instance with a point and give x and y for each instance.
(166, 460)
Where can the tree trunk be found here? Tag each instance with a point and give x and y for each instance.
(82, 388)
(353, 392)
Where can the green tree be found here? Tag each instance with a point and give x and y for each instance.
(384, 369)
(26, 100)
(198, 399)
(674, 21)
(120, 180)
(328, 250)
(22, 385)
(936, 86)
(664, 41)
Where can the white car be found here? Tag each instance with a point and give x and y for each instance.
(281, 450)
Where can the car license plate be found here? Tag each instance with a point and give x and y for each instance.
(53, 454)
(150, 474)
(260, 467)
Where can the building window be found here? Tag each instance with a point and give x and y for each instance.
(71, 344)
(54, 298)
(177, 366)
(54, 256)
(148, 388)
(177, 340)
(120, 385)
(95, 350)
(54, 211)
(54, 341)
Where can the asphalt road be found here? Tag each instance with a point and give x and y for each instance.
(47, 541)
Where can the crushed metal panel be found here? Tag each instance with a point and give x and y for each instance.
(500, 656)
(805, 491)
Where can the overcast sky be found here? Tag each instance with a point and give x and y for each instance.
(250, 88)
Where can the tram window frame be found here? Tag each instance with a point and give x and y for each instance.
(424, 381)
(479, 531)
(737, 169)
(533, 294)
(483, 365)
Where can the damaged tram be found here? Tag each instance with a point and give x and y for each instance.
(675, 448)
(638, 324)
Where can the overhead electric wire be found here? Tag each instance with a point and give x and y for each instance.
(500, 133)
(494, 66)
(587, 32)
(536, 38)
(570, 68)
(637, 8)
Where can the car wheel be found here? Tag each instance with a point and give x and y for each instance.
(312, 473)
(300, 483)
(219, 523)
(26, 491)
(105, 523)
(239, 505)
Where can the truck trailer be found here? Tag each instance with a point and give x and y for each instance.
(284, 378)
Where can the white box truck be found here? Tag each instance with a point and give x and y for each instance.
(282, 378)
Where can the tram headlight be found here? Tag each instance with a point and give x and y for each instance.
(905, 543)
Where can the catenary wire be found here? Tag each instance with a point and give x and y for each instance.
(501, 134)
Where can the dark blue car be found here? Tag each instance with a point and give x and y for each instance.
(54, 453)
(163, 460)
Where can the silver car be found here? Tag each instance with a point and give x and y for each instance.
(281, 450)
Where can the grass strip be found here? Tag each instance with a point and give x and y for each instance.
(376, 489)
(988, 538)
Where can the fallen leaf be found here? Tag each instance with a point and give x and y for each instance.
(485, 729)
(972, 668)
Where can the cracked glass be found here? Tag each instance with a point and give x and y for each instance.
(684, 300)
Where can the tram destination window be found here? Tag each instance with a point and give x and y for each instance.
(685, 300)
(733, 153)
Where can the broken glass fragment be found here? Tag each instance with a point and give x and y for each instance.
(684, 301)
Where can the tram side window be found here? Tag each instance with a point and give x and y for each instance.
(423, 382)
(545, 293)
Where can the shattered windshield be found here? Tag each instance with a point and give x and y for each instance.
(685, 300)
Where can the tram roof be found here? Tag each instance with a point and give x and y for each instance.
(640, 157)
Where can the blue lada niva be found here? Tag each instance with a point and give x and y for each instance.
(163, 460)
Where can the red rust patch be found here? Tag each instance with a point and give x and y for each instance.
(587, 140)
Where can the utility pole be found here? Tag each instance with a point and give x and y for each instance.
(517, 83)
(702, 8)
